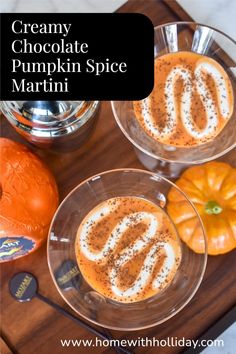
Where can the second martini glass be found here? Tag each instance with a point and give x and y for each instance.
(166, 159)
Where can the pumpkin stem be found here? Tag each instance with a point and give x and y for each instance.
(213, 208)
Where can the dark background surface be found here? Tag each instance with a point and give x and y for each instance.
(125, 38)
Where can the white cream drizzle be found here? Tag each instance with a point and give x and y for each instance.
(220, 82)
(150, 123)
(147, 268)
(167, 266)
(87, 227)
(190, 83)
(153, 223)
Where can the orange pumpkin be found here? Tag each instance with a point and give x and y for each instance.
(212, 189)
(29, 198)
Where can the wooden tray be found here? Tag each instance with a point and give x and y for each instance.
(34, 328)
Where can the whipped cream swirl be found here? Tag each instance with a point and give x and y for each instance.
(192, 82)
(153, 224)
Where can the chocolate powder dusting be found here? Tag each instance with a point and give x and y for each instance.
(98, 273)
(155, 107)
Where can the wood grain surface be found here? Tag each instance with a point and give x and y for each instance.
(34, 328)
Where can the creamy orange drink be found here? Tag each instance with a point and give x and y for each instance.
(191, 102)
(127, 249)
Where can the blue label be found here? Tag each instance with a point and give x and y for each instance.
(14, 247)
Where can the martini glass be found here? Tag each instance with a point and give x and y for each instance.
(166, 159)
(80, 296)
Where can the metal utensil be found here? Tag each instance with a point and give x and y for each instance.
(59, 125)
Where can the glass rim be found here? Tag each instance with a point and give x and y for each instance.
(205, 254)
(195, 24)
(149, 153)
